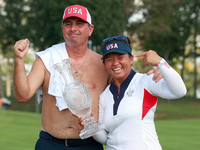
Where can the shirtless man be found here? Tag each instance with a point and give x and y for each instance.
(59, 129)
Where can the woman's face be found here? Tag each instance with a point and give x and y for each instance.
(118, 65)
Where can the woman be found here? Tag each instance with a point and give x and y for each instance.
(128, 104)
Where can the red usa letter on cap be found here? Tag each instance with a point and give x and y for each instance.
(111, 46)
(74, 10)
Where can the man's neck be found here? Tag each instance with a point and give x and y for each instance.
(77, 52)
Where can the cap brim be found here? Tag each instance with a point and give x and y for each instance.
(75, 17)
(115, 51)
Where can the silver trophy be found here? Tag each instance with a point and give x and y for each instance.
(78, 99)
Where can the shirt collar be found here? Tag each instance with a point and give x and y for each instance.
(118, 97)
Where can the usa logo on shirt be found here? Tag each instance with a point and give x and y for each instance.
(130, 92)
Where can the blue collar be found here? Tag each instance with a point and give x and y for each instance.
(113, 88)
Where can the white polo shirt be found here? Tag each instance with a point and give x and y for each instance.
(129, 117)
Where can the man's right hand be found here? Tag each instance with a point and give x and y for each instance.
(21, 48)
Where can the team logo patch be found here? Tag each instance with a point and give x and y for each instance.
(130, 92)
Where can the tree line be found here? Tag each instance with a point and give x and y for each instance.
(165, 26)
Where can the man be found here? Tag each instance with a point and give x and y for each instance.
(59, 128)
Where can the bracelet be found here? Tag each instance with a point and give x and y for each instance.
(159, 62)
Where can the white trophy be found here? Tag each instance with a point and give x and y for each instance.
(78, 99)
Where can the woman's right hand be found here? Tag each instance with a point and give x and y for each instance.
(81, 119)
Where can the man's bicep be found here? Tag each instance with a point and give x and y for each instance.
(36, 75)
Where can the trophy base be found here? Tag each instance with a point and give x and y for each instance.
(90, 130)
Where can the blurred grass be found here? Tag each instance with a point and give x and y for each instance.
(184, 108)
(18, 130)
(177, 124)
(179, 134)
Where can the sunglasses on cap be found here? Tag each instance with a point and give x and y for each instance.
(118, 38)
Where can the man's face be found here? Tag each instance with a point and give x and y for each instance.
(76, 31)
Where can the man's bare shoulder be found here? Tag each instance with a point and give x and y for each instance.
(96, 58)
(97, 66)
(95, 53)
(38, 63)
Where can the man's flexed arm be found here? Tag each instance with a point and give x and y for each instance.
(26, 86)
